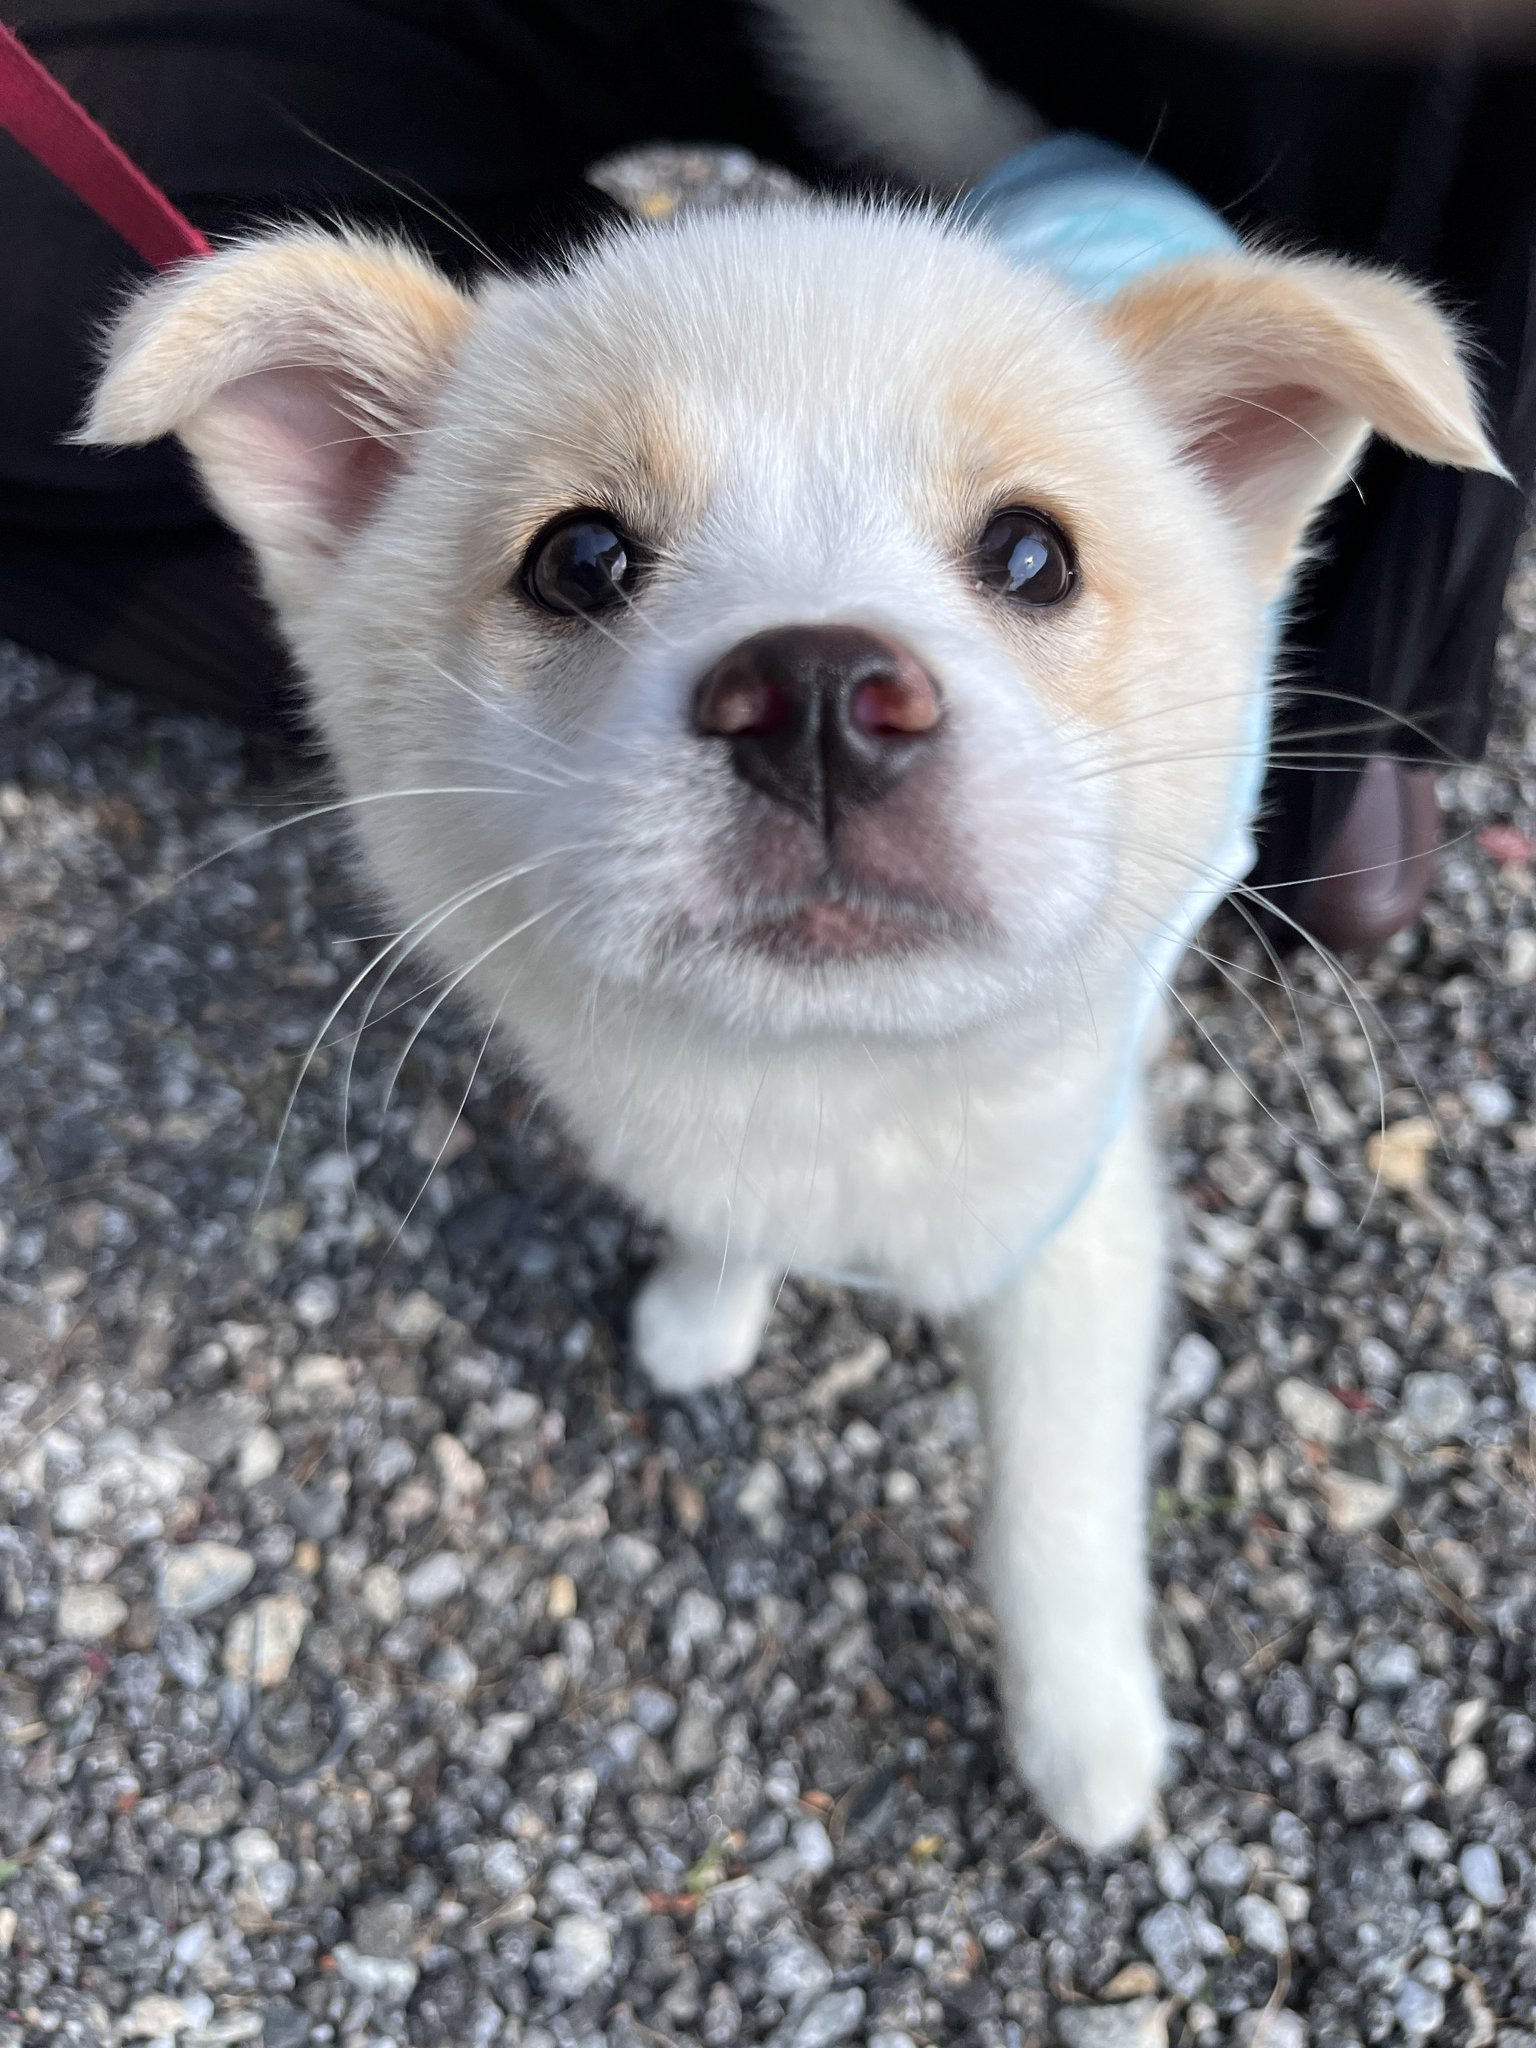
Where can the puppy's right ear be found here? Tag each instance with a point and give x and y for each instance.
(290, 367)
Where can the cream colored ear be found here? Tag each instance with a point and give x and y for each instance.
(1274, 372)
(290, 366)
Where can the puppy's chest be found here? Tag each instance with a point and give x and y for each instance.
(933, 1177)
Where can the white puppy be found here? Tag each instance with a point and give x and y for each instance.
(792, 665)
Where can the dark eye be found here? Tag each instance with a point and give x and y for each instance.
(1023, 555)
(582, 563)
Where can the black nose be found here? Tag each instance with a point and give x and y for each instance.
(824, 719)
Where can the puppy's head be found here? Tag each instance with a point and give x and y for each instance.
(799, 619)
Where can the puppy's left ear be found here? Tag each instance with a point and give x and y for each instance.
(293, 367)
(1273, 373)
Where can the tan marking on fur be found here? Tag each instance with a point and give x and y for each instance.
(635, 461)
(996, 454)
(1366, 351)
(375, 310)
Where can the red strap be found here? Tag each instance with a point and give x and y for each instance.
(58, 131)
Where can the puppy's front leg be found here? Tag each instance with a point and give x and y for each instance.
(699, 1319)
(1065, 1358)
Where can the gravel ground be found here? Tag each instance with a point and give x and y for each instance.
(381, 1663)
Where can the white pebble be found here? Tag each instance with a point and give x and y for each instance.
(862, 1440)
(252, 1849)
(262, 1641)
(1434, 1406)
(631, 1559)
(1386, 1666)
(1312, 1412)
(1136, 2023)
(1262, 1925)
(1514, 1298)
(1490, 1102)
(392, 1978)
(462, 1478)
(1193, 1370)
(154, 2017)
(1420, 2011)
(380, 1595)
(202, 1576)
(260, 1456)
(1223, 1866)
(1294, 1901)
(1483, 1875)
(1427, 1843)
(760, 1501)
(901, 1489)
(77, 1507)
(580, 1953)
(417, 1316)
(1280, 2028)
(320, 1380)
(697, 1620)
(812, 1847)
(316, 1302)
(435, 1581)
(1466, 1774)
(1170, 1869)
(89, 1614)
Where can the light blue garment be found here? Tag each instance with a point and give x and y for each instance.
(1092, 215)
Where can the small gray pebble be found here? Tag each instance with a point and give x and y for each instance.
(697, 1620)
(696, 1743)
(1170, 1939)
(389, 1978)
(653, 1709)
(833, 2018)
(794, 1972)
(1434, 1407)
(1223, 1867)
(631, 1559)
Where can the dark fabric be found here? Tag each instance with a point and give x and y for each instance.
(173, 612)
(255, 110)
(258, 109)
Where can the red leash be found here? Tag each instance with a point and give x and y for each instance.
(58, 131)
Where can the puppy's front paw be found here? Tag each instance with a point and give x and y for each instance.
(1091, 1746)
(693, 1326)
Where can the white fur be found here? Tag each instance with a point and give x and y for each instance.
(809, 414)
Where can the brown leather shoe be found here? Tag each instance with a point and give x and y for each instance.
(1376, 874)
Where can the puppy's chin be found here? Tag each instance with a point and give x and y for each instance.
(852, 968)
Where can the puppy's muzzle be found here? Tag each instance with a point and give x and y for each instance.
(824, 719)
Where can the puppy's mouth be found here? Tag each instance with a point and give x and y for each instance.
(827, 925)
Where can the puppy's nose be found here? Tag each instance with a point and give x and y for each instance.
(824, 719)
